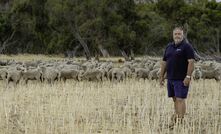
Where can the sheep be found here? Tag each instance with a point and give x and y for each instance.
(211, 74)
(109, 73)
(107, 68)
(3, 74)
(104, 72)
(71, 62)
(142, 73)
(31, 64)
(11, 62)
(136, 65)
(14, 75)
(89, 65)
(3, 63)
(197, 73)
(149, 64)
(68, 67)
(69, 74)
(154, 74)
(32, 74)
(127, 64)
(157, 65)
(207, 70)
(207, 65)
(116, 74)
(92, 75)
(109, 65)
(127, 72)
(50, 74)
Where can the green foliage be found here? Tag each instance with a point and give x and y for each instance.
(46, 26)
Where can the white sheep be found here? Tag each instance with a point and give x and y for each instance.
(3, 74)
(93, 75)
(211, 74)
(142, 73)
(32, 74)
(116, 74)
(154, 74)
(69, 74)
(197, 73)
(127, 72)
(13, 75)
(50, 74)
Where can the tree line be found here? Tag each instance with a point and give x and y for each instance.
(106, 27)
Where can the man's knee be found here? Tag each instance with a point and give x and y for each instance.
(179, 100)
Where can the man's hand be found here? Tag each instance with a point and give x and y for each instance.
(162, 81)
(190, 68)
(162, 72)
(186, 82)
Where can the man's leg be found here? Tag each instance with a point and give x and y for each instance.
(180, 107)
(171, 93)
(175, 104)
(181, 93)
(180, 110)
(174, 116)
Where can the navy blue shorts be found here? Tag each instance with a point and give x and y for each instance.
(177, 89)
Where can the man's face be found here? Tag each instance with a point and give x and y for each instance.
(177, 35)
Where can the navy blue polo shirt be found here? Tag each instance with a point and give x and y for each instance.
(176, 57)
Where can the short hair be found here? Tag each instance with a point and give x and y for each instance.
(178, 28)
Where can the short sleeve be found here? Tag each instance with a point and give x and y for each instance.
(164, 56)
(189, 52)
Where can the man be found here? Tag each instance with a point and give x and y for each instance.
(178, 63)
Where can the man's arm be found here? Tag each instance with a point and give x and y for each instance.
(162, 69)
(189, 72)
(190, 67)
(162, 72)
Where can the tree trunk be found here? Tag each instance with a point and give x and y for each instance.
(218, 47)
(78, 37)
(6, 42)
(84, 45)
(132, 57)
(124, 55)
(103, 51)
(75, 50)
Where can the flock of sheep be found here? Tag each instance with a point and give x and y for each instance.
(51, 71)
(207, 70)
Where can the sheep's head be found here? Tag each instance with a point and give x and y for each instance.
(197, 68)
(80, 75)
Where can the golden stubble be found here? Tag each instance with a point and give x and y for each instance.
(86, 107)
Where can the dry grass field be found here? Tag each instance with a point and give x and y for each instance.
(129, 107)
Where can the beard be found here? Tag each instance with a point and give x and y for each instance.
(177, 40)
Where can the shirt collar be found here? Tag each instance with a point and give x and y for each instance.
(177, 45)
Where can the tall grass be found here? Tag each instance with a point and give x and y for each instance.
(128, 107)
